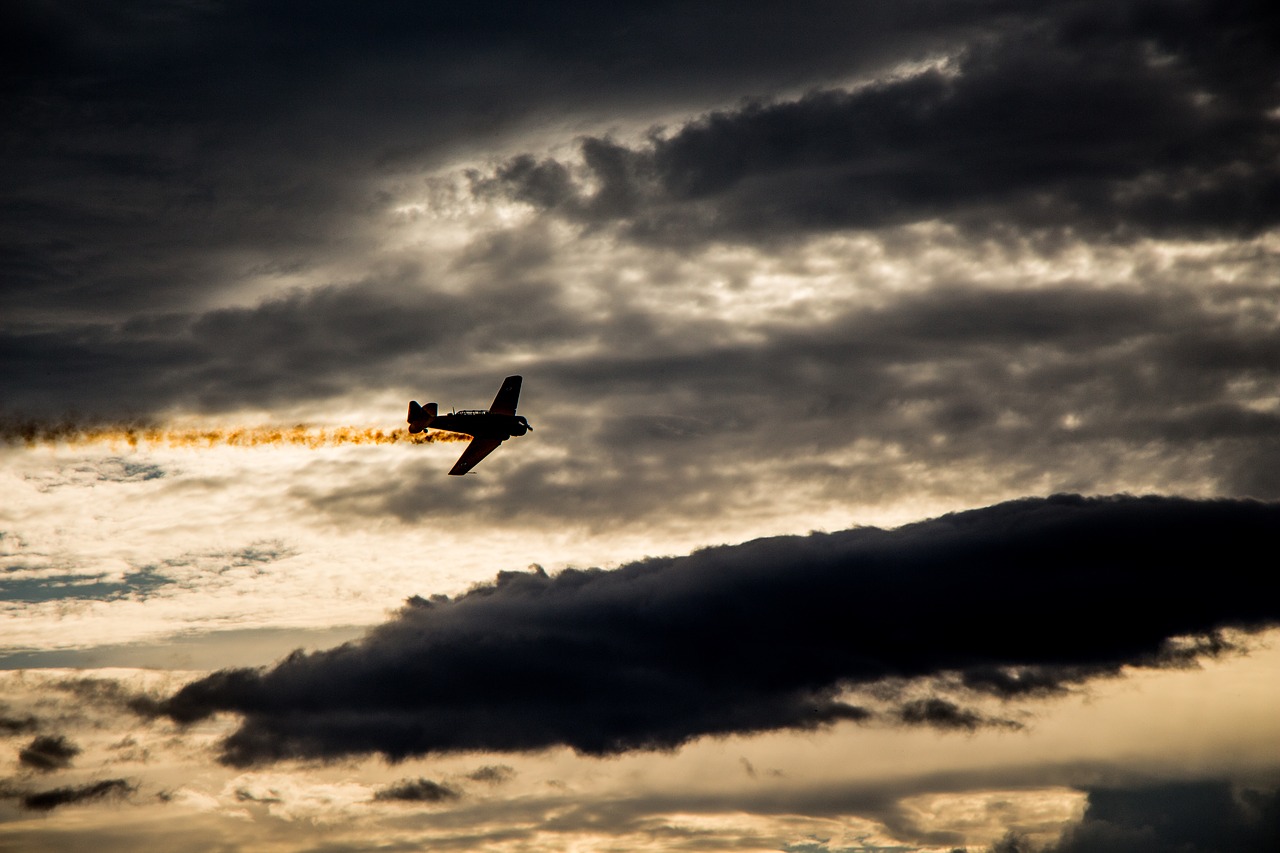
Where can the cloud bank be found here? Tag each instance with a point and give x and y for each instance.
(1028, 131)
(1201, 816)
(1025, 597)
(1036, 241)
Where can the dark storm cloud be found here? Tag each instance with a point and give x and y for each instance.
(760, 636)
(47, 753)
(1132, 119)
(1172, 817)
(157, 153)
(161, 156)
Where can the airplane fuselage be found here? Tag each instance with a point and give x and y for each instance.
(481, 424)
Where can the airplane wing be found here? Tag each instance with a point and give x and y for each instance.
(478, 449)
(508, 394)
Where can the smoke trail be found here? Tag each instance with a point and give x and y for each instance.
(36, 434)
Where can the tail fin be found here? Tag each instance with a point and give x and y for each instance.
(420, 416)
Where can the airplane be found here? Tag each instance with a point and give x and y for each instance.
(487, 428)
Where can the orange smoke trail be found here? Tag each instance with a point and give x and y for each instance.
(33, 434)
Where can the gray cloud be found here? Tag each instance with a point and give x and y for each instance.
(1031, 130)
(1058, 383)
(48, 800)
(416, 791)
(1186, 817)
(492, 774)
(299, 346)
(143, 182)
(108, 692)
(947, 715)
(164, 152)
(1052, 127)
(759, 636)
(10, 726)
(47, 753)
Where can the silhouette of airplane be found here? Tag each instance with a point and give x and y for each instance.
(487, 428)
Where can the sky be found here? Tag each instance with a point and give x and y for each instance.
(905, 383)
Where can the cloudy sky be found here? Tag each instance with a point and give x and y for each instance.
(905, 379)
